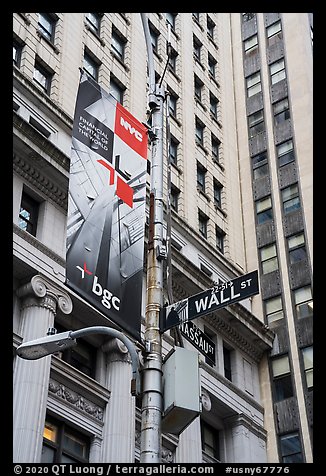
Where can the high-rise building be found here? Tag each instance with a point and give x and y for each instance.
(240, 147)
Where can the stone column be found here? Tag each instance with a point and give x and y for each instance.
(119, 420)
(189, 447)
(39, 298)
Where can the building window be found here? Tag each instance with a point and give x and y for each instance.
(297, 248)
(274, 33)
(215, 143)
(290, 198)
(116, 90)
(308, 364)
(213, 104)
(291, 448)
(201, 175)
(202, 221)
(154, 38)
(210, 440)
(118, 44)
(63, 444)
(28, 214)
(219, 235)
(196, 16)
(210, 28)
(217, 194)
(212, 66)
(17, 50)
(199, 134)
(253, 84)
(227, 362)
(282, 378)
(274, 309)
(261, 171)
(264, 210)
(91, 66)
(46, 26)
(281, 111)
(251, 45)
(94, 22)
(285, 153)
(303, 302)
(198, 88)
(173, 104)
(259, 159)
(42, 77)
(170, 18)
(197, 49)
(277, 71)
(174, 197)
(173, 60)
(248, 16)
(269, 260)
(256, 123)
(173, 151)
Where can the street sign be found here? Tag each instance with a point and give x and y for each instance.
(208, 301)
(198, 339)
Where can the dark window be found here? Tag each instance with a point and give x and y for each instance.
(261, 171)
(175, 192)
(28, 214)
(227, 363)
(297, 248)
(217, 194)
(199, 132)
(91, 66)
(281, 111)
(63, 444)
(256, 123)
(259, 159)
(213, 104)
(118, 44)
(173, 104)
(290, 198)
(42, 77)
(210, 440)
(197, 48)
(264, 210)
(202, 221)
(291, 448)
(212, 65)
(116, 90)
(220, 235)
(154, 38)
(282, 378)
(215, 148)
(170, 18)
(173, 60)
(285, 153)
(196, 16)
(46, 26)
(94, 22)
(173, 151)
(210, 28)
(201, 174)
(198, 88)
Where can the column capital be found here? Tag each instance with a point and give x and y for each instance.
(41, 287)
(116, 350)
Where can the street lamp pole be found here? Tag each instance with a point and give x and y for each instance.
(151, 416)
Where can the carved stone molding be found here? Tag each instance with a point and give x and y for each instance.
(167, 455)
(75, 399)
(49, 294)
(206, 401)
(116, 350)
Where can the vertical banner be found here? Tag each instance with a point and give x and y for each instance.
(106, 212)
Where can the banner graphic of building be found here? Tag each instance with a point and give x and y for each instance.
(106, 212)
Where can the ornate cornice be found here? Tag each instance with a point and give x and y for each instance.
(76, 400)
(40, 181)
(41, 287)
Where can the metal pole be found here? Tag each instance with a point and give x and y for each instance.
(150, 447)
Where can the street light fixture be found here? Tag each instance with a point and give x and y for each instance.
(50, 344)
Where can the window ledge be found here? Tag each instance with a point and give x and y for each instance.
(220, 210)
(55, 49)
(115, 56)
(218, 164)
(203, 193)
(202, 147)
(93, 33)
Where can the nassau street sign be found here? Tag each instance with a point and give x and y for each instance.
(198, 339)
(208, 301)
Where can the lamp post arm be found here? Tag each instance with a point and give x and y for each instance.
(119, 335)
